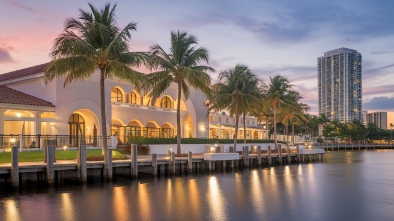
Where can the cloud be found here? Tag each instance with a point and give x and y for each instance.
(5, 55)
(22, 6)
(295, 21)
(379, 103)
(381, 52)
(381, 89)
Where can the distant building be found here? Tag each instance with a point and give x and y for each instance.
(364, 117)
(340, 85)
(378, 118)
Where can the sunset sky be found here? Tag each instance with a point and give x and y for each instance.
(271, 37)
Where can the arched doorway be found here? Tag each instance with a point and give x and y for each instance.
(76, 128)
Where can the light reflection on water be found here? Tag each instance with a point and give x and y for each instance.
(11, 210)
(346, 186)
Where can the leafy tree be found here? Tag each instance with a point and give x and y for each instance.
(94, 41)
(181, 66)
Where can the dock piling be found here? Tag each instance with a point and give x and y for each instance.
(269, 155)
(134, 165)
(190, 161)
(14, 167)
(82, 166)
(154, 163)
(50, 170)
(259, 155)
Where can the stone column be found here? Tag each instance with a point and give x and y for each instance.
(2, 121)
(37, 118)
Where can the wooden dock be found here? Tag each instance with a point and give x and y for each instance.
(48, 170)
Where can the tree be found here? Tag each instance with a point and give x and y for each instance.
(237, 91)
(180, 66)
(94, 41)
(279, 94)
(293, 115)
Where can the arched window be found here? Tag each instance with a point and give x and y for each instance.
(133, 98)
(165, 102)
(116, 95)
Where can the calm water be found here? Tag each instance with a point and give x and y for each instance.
(346, 186)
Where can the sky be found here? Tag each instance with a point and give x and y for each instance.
(271, 37)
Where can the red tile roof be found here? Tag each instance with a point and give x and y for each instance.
(12, 96)
(23, 72)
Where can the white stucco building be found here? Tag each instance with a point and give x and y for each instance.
(30, 105)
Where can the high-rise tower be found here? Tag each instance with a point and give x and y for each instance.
(340, 85)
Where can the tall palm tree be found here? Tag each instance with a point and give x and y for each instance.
(91, 42)
(237, 91)
(279, 94)
(181, 66)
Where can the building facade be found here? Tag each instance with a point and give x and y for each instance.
(340, 84)
(30, 105)
(378, 118)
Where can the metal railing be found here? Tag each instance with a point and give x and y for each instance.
(39, 141)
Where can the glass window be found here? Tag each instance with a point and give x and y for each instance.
(133, 98)
(116, 95)
(165, 102)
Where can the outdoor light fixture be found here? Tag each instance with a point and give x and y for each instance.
(51, 123)
(65, 147)
(18, 114)
(45, 123)
(212, 149)
(12, 140)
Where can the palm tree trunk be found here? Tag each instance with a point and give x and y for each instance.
(275, 139)
(292, 133)
(178, 120)
(103, 118)
(244, 119)
(236, 127)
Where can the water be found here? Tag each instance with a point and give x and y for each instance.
(345, 186)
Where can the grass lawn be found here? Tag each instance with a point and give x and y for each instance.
(36, 156)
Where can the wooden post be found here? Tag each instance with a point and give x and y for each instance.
(14, 167)
(154, 163)
(173, 167)
(298, 152)
(20, 142)
(134, 163)
(288, 155)
(82, 166)
(269, 155)
(109, 165)
(280, 153)
(190, 162)
(50, 170)
(45, 153)
(259, 155)
(245, 153)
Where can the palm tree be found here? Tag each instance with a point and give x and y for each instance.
(237, 91)
(278, 95)
(94, 41)
(293, 115)
(180, 66)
